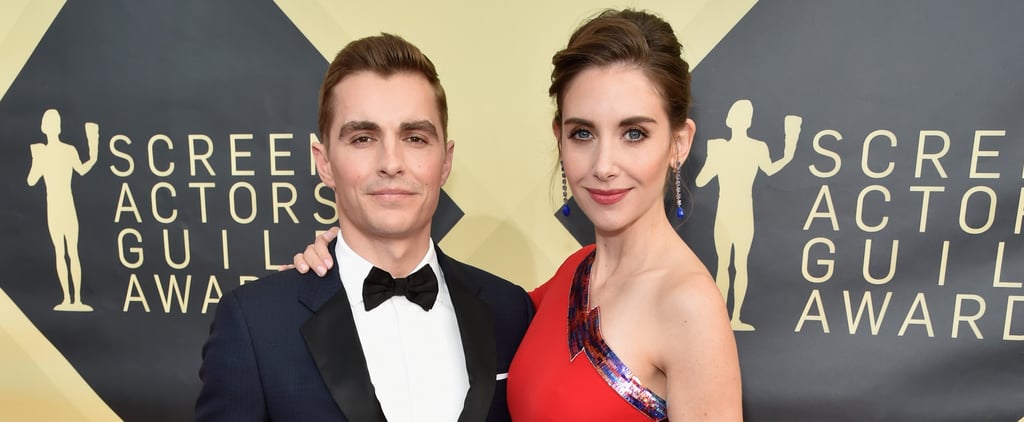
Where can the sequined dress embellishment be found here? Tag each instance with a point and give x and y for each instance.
(585, 337)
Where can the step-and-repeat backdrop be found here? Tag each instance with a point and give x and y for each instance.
(156, 155)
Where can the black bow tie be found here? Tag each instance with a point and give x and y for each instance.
(419, 287)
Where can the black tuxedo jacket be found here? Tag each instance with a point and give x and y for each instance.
(285, 348)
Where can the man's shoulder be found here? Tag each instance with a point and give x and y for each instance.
(275, 287)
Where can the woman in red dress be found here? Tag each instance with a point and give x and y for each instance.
(632, 328)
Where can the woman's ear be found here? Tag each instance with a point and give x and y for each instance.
(556, 129)
(682, 139)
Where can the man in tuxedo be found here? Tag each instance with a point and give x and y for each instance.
(397, 330)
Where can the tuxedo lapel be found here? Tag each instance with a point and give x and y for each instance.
(478, 343)
(334, 344)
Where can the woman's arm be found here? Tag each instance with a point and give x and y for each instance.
(698, 354)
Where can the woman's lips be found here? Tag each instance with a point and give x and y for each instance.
(607, 197)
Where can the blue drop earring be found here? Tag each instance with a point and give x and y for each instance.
(565, 192)
(679, 195)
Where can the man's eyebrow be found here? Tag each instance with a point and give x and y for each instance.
(419, 125)
(357, 125)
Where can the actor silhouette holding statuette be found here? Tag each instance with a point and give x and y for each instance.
(736, 162)
(56, 162)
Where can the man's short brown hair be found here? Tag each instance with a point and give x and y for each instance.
(385, 55)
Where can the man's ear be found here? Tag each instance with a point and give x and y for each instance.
(682, 140)
(448, 156)
(323, 165)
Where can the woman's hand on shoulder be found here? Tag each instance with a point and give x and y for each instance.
(316, 256)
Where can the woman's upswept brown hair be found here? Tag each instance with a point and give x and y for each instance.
(385, 55)
(627, 37)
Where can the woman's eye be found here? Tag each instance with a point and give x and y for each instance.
(581, 134)
(635, 134)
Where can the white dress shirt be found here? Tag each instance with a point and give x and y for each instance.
(414, 357)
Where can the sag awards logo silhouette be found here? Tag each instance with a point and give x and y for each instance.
(736, 162)
(55, 162)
